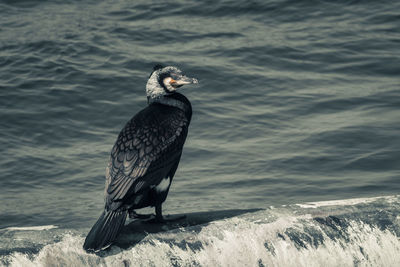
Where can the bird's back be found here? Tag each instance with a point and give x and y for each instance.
(146, 149)
(145, 156)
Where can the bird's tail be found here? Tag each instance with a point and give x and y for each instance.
(105, 230)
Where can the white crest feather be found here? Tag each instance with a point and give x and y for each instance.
(153, 88)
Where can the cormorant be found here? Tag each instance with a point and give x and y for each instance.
(145, 156)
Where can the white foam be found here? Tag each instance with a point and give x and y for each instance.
(341, 202)
(31, 228)
(234, 242)
(289, 239)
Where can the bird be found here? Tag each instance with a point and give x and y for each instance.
(145, 157)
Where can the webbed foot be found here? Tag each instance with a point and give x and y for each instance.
(134, 215)
(166, 219)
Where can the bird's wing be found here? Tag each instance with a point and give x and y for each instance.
(142, 154)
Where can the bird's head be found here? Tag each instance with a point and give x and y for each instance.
(165, 81)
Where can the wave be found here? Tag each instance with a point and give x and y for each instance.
(355, 232)
(31, 228)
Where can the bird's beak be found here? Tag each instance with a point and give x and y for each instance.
(183, 80)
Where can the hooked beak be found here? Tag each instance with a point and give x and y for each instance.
(182, 81)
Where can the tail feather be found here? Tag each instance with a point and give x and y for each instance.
(105, 230)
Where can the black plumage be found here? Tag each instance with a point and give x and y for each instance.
(147, 151)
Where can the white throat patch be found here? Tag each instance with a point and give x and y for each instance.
(167, 84)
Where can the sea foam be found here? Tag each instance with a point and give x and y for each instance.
(361, 234)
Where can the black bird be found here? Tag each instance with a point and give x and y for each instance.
(145, 156)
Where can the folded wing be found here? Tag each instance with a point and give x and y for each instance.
(143, 153)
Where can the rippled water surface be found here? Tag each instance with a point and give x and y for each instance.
(298, 101)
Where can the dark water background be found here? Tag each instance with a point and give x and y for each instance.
(298, 101)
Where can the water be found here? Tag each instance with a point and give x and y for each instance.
(339, 233)
(297, 102)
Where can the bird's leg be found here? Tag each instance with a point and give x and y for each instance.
(159, 217)
(164, 219)
(134, 215)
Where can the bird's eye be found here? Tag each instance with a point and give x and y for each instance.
(174, 76)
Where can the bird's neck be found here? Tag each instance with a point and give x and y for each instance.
(169, 101)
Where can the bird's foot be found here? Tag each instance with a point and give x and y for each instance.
(134, 215)
(173, 218)
(166, 219)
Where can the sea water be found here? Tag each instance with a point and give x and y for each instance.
(298, 102)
